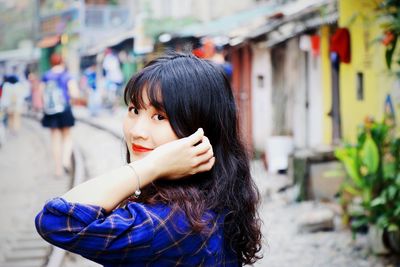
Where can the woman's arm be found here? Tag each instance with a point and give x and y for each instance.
(174, 160)
(73, 89)
(109, 189)
(92, 231)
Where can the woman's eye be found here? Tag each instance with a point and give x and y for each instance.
(159, 117)
(134, 110)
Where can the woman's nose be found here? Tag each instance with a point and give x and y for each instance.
(139, 129)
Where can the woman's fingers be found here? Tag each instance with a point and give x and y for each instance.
(183, 157)
(206, 166)
(203, 147)
(196, 137)
(205, 157)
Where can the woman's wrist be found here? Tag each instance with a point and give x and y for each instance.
(109, 189)
(145, 172)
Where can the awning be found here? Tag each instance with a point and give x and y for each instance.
(26, 54)
(266, 19)
(290, 30)
(230, 23)
(48, 41)
(109, 41)
(297, 19)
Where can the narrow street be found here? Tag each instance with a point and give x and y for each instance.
(286, 245)
(26, 183)
(314, 86)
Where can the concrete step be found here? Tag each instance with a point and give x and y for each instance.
(29, 244)
(33, 236)
(18, 255)
(316, 220)
(24, 263)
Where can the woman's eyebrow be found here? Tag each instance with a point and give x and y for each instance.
(160, 109)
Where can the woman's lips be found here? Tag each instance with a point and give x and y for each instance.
(140, 149)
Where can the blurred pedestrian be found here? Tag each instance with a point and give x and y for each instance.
(12, 100)
(36, 96)
(3, 116)
(219, 58)
(94, 94)
(128, 67)
(113, 77)
(58, 87)
(195, 209)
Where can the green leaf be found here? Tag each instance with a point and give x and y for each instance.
(348, 156)
(358, 223)
(389, 170)
(378, 201)
(389, 53)
(391, 191)
(351, 190)
(366, 195)
(378, 132)
(393, 228)
(398, 179)
(382, 222)
(370, 155)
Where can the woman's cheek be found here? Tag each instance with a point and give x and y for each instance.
(126, 126)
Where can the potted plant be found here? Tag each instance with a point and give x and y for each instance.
(371, 195)
(388, 10)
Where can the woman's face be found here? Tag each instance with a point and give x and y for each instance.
(145, 129)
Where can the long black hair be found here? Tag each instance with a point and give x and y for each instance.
(195, 93)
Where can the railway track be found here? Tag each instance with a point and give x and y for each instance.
(26, 184)
(95, 151)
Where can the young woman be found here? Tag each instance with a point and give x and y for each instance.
(61, 120)
(196, 202)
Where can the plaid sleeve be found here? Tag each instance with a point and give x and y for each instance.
(87, 230)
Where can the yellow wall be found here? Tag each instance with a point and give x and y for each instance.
(326, 84)
(366, 57)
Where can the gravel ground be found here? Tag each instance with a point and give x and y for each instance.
(285, 245)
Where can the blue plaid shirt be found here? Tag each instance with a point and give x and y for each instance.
(135, 235)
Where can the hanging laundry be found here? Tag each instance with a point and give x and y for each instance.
(315, 44)
(305, 42)
(340, 43)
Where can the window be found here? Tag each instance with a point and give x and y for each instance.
(360, 86)
(260, 81)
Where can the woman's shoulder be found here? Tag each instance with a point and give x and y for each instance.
(163, 210)
(172, 216)
(157, 211)
(175, 234)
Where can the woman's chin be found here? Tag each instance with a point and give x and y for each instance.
(136, 156)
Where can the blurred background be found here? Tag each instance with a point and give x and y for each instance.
(316, 82)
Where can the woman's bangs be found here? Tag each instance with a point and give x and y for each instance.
(138, 85)
(154, 93)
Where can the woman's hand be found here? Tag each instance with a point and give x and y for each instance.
(183, 157)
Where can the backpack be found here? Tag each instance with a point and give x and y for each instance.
(54, 100)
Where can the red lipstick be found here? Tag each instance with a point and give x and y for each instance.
(140, 149)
